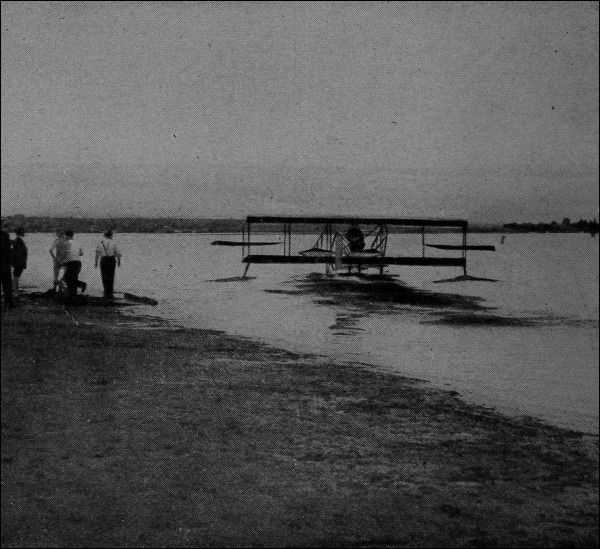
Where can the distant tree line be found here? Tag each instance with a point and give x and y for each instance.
(37, 224)
(583, 225)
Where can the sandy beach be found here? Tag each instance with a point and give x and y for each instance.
(130, 432)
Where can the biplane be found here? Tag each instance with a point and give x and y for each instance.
(335, 249)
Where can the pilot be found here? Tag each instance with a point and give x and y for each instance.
(355, 238)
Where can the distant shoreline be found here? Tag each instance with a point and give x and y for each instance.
(44, 224)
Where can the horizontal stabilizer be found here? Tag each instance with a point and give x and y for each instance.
(238, 243)
(460, 247)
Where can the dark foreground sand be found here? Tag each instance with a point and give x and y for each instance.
(116, 436)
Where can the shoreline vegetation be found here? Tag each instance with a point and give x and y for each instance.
(36, 224)
(125, 431)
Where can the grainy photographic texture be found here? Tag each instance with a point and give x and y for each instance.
(299, 274)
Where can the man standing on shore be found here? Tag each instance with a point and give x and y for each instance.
(19, 258)
(57, 251)
(72, 265)
(109, 257)
(6, 269)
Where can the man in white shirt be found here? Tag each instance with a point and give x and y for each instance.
(109, 257)
(58, 252)
(70, 255)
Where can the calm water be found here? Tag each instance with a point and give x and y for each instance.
(527, 344)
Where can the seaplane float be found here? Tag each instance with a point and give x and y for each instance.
(354, 243)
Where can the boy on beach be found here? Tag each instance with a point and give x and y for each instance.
(19, 258)
(109, 258)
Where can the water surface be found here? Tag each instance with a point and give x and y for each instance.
(527, 344)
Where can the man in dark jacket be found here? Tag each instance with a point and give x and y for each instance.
(6, 267)
(19, 258)
(355, 238)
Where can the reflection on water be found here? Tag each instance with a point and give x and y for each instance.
(379, 291)
(362, 295)
(347, 323)
(355, 297)
(549, 319)
(455, 319)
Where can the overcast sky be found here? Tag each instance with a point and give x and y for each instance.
(487, 110)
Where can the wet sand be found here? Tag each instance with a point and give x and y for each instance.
(114, 435)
